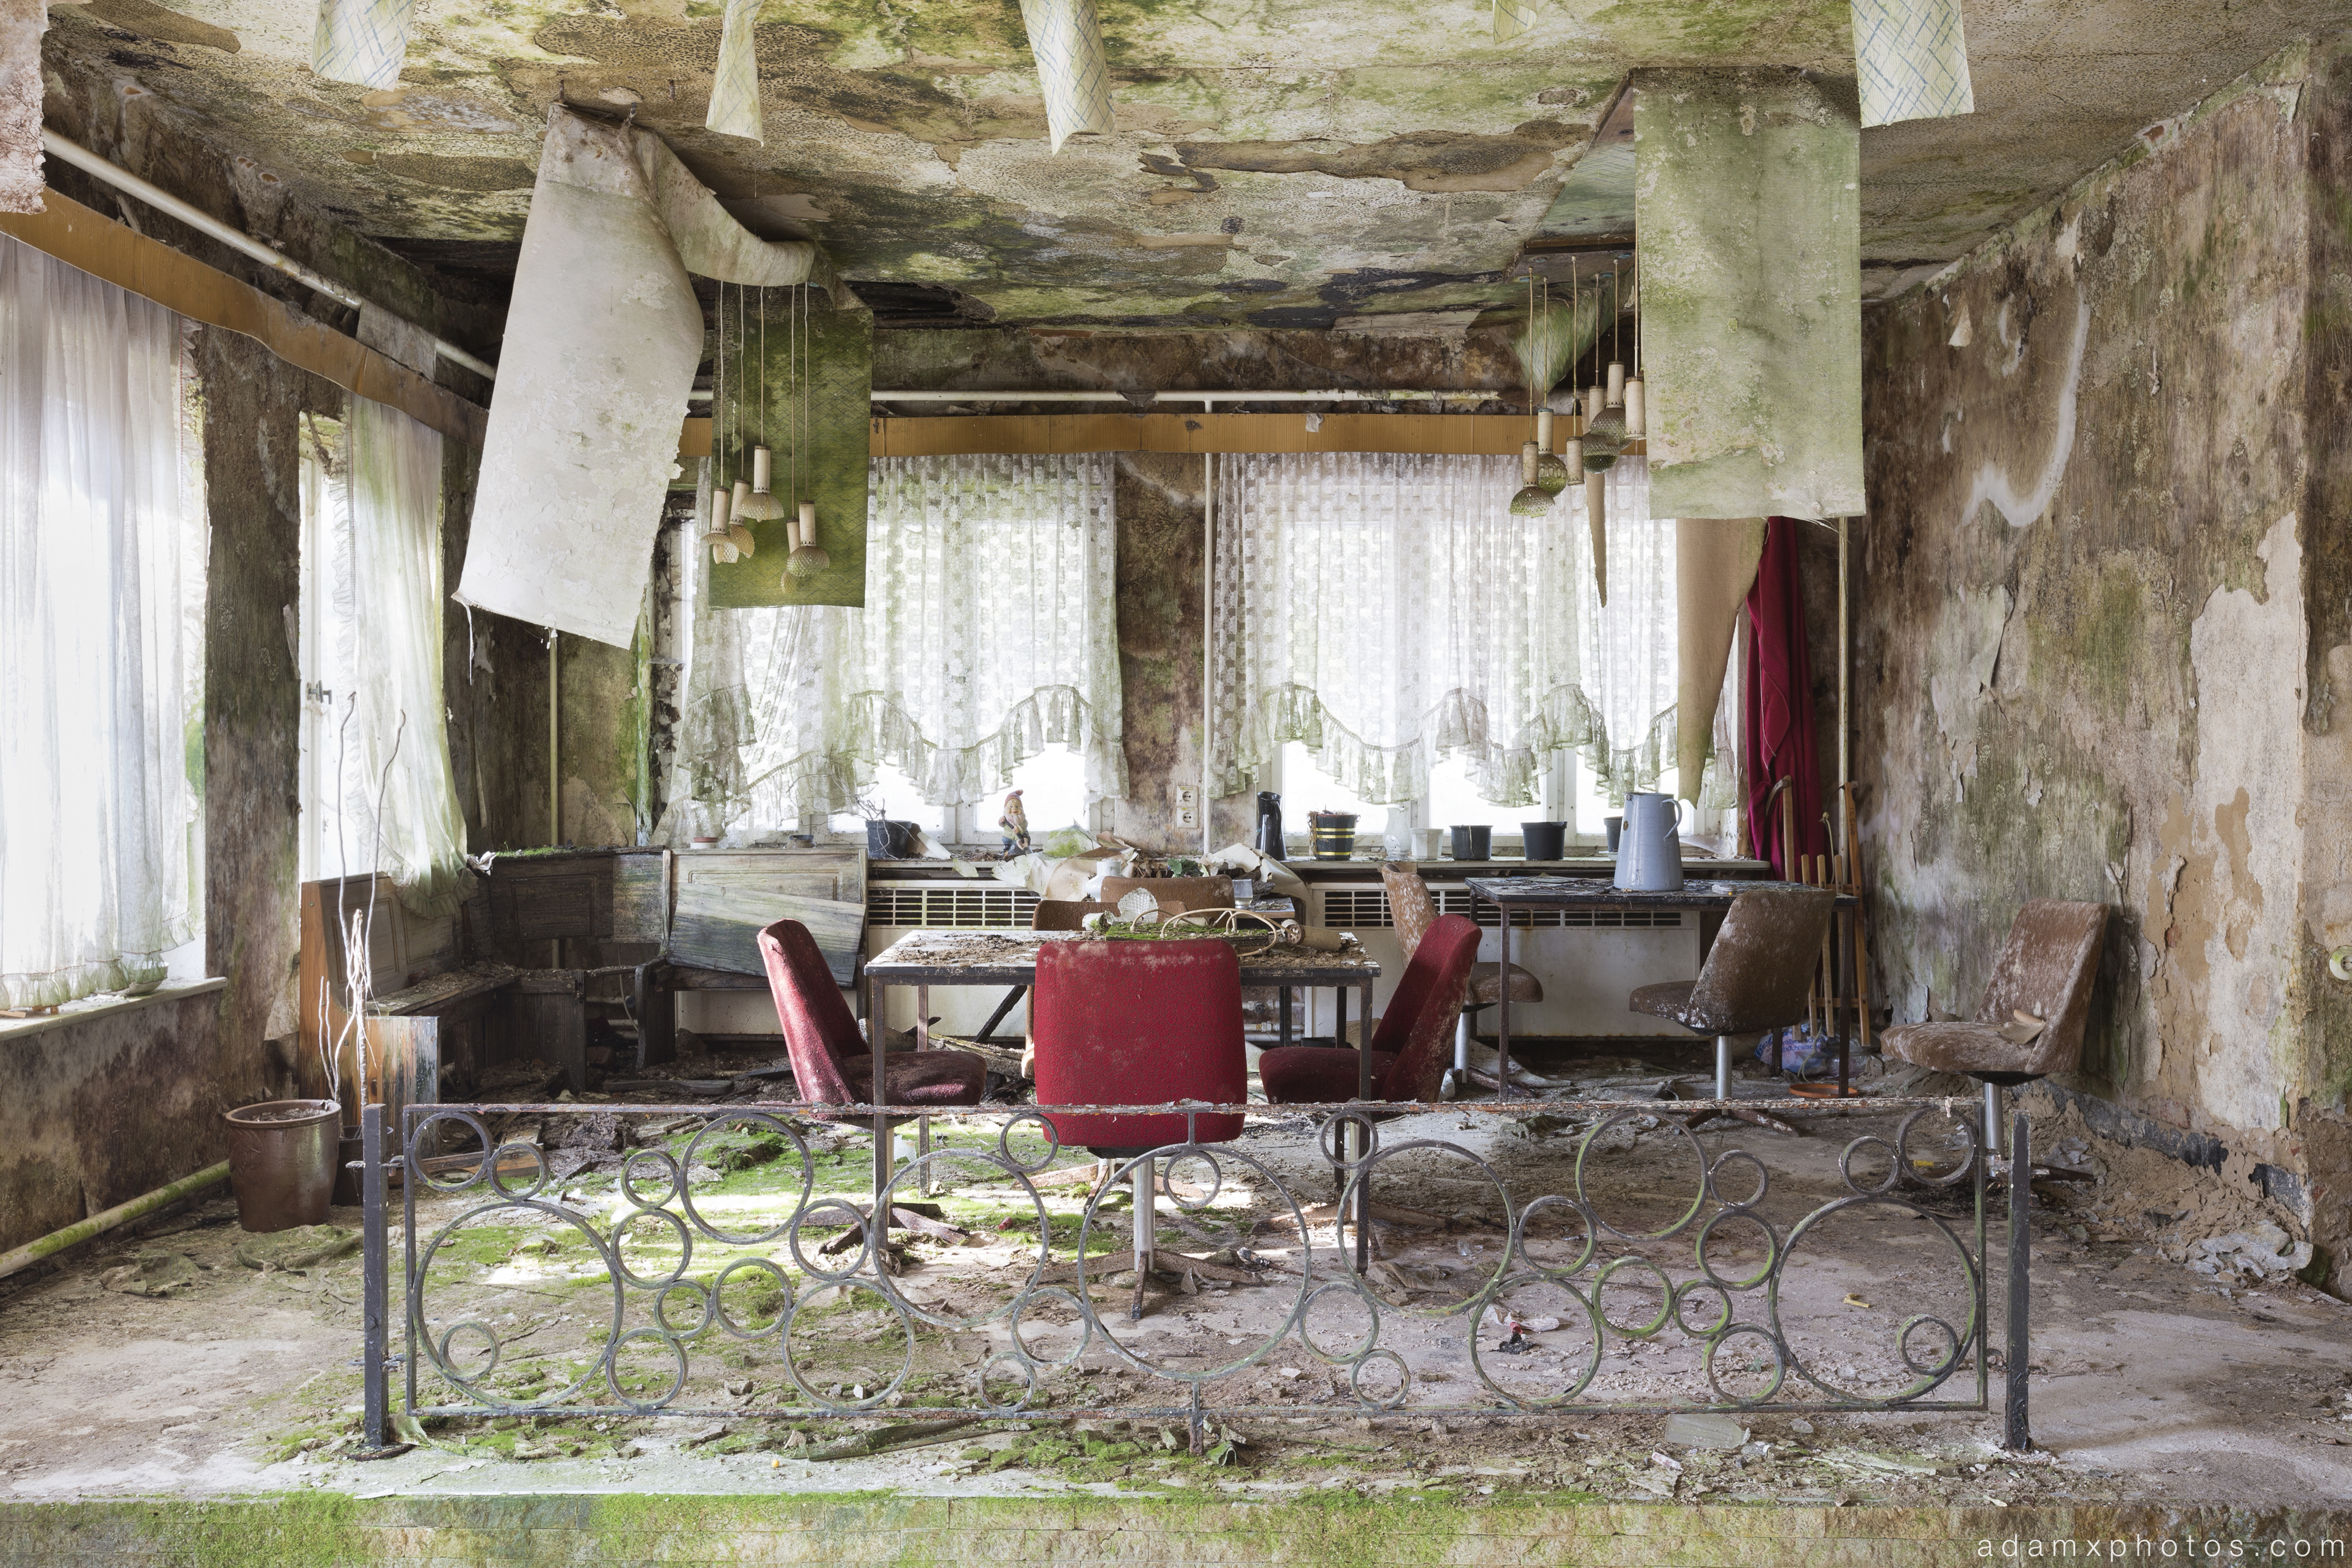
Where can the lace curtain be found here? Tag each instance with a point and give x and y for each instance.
(989, 634)
(101, 557)
(1386, 610)
(386, 796)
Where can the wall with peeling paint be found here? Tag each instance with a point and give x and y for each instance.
(2097, 650)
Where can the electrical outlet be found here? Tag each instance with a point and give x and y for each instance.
(1188, 817)
(1187, 795)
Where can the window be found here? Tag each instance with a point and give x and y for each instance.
(985, 658)
(377, 790)
(1391, 605)
(102, 545)
(327, 847)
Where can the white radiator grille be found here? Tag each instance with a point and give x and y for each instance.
(965, 908)
(1349, 909)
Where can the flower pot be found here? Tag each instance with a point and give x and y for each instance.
(888, 840)
(1473, 844)
(281, 1162)
(1543, 841)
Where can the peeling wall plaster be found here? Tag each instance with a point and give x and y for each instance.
(2241, 835)
(2101, 684)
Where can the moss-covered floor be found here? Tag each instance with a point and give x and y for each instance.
(235, 1385)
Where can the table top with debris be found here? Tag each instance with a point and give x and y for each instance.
(989, 958)
(1589, 892)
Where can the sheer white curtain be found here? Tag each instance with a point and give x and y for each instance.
(100, 643)
(381, 795)
(1386, 610)
(990, 633)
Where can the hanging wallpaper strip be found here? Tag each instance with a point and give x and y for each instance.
(1911, 59)
(362, 41)
(735, 94)
(1072, 71)
(601, 347)
(1746, 193)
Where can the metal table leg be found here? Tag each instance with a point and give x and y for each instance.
(1363, 1091)
(1503, 1014)
(877, 1031)
(1282, 1005)
(922, 1123)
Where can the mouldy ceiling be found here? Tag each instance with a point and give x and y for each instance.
(1276, 164)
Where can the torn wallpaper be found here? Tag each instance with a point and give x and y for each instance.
(1746, 193)
(601, 344)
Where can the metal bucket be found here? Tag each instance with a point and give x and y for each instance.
(1331, 834)
(282, 1161)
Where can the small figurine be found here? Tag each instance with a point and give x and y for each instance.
(1014, 824)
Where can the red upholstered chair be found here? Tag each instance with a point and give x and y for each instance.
(831, 1062)
(1414, 911)
(1410, 1048)
(1138, 1023)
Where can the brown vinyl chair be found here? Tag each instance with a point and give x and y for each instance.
(1414, 911)
(2045, 971)
(1756, 976)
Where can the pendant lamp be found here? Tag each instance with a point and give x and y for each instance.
(1533, 499)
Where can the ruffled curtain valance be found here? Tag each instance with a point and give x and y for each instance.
(1386, 610)
(989, 634)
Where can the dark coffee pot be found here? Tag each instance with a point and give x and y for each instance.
(1269, 824)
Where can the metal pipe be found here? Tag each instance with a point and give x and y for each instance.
(1208, 629)
(376, 1338)
(1206, 399)
(98, 1224)
(2016, 1430)
(196, 218)
(1846, 662)
(554, 742)
(1723, 1067)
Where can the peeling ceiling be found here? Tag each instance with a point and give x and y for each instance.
(1276, 164)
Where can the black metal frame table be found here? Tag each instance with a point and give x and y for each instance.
(928, 959)
(1532, 893)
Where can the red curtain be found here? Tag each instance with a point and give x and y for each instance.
(1776, 731)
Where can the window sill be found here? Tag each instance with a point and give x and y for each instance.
(20, 1029)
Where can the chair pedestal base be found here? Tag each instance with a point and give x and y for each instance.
(1146, 1224)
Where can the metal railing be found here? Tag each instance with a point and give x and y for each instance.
(1560, 1247)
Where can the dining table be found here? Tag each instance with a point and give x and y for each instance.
(1511, 894)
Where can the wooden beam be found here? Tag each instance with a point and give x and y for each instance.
(118, 253)
(1463, 435)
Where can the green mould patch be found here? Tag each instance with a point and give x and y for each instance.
(1438, 161)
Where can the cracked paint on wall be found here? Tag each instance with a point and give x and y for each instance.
(2092, 586)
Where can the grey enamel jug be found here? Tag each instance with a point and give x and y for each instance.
(1649, 846)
